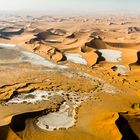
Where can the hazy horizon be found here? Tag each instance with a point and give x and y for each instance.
(79, 6)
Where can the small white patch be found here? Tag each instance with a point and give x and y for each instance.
(38, 60)
(76, 58)
(32, 97)
(52, 41)
(109, 89)
(64, 118)
(121, 69)
(111, 55)
(8, 45)
(57, 120)
(31, 57)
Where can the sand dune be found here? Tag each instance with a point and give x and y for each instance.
(70, 78)
(6, 33)
(133, 30)
(96, 43)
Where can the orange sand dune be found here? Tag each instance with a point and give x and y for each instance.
(70, 78)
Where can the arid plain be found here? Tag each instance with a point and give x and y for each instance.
(70, 77)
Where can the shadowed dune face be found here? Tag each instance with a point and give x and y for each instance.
(7, 133)
(6, 33)
(138, 55)
(124, 45)
(90, 45)
(50, 36)
(96, 43)
(133, 30)
(125, 128)
(18, 122)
